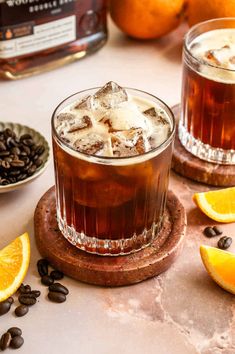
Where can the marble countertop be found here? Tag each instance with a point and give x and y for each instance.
(179, 312)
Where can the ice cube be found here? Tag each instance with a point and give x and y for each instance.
(110, 96)
(64, 117)
(153, 113)
(87, 103)
(129, 142)
(80, 123)
(232, 60)
(211, 57)
(90, 144)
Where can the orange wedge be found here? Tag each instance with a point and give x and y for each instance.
(14, 262)
(220, 265)
(219, 205)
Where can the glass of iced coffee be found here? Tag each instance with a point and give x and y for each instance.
(207, 124)
(112, 155)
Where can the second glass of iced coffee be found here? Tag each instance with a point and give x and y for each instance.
(112, 156)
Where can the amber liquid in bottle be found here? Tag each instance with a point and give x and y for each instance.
(40, 35)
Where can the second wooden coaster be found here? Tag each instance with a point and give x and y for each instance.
(106, 270)
(188, 165)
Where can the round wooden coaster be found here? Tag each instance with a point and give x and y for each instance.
(104, 270)
(188, 165)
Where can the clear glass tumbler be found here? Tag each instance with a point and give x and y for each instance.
(207, 123)
(111, 205)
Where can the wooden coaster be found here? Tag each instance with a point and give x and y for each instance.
(188, 165)
(104, 270)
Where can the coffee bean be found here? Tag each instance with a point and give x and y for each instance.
(57, 275)
(217, 230)
(21, 289)
(21, 310)
(224, 242)
(23, 154)
(28, 295)
(47, 280)
(14, 173)
(4, 307)
(2, 146)
(4, 153)
(209, 232)
(40, 150)
(5, 164)
(17, 163)
(14, 331)
(24, 299)
(58, 288)
(21, 177)
(26, 149)
(15, 150)
(27, 142)
(36, 293)
(38, 162)
(4, 182)
(8, 159)
(42, 265)
(16, 342)
(56, 297)
(8, 132)
(25, 136)
(27, 289)
(10, 300)
(32, 169)
(5, 341)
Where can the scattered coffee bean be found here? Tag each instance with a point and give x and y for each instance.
(27, 288)
(26, 299)
(21, 310)
(11, 300)
(58, 288)
(57, 275)
(47, 280)
(16, 342)
(56, 297)
(5, 341)
(14, 331)
(217, 230)
(4, 307)
(209, 232)
(42, 266)
(21, 288)
(29, 295)
(224, 242)
(36, 293)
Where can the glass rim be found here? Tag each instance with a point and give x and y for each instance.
(105, 159)
(193, 28)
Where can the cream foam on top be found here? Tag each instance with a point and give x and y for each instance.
(217, 48)
(113, 123)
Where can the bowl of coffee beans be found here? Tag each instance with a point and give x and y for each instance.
(24, 155)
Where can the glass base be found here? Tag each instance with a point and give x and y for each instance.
(107, 247)
(205, 151)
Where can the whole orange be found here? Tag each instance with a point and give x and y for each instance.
(146, 19)
(201, 10)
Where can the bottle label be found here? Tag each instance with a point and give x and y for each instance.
(28, 38)
(28, 26)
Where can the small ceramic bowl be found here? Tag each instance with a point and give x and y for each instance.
(38, 139)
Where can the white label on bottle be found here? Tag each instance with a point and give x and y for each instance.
(47, 35)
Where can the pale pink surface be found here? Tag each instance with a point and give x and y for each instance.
(180, 312)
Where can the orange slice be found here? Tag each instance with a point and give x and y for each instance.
(219, 205)
(14, 262)
(220, 265)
